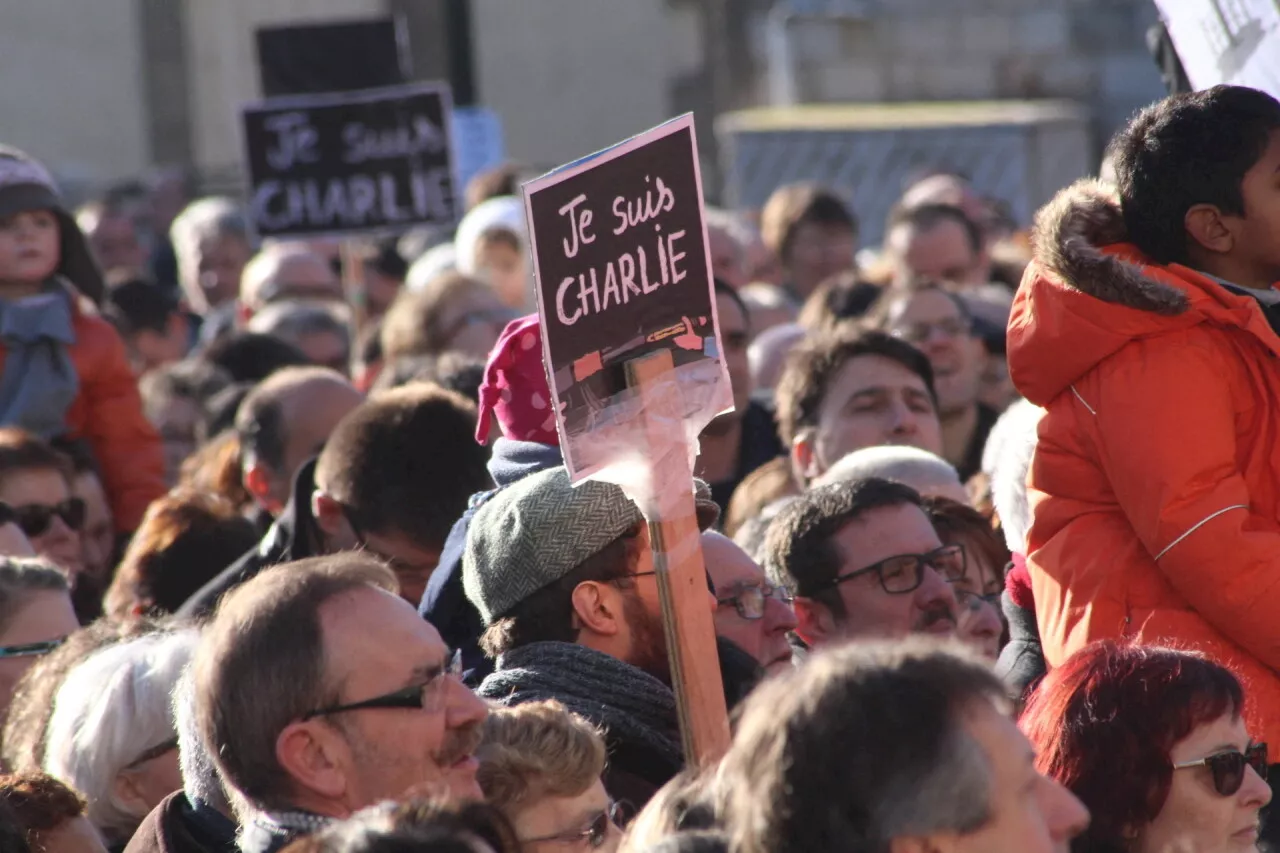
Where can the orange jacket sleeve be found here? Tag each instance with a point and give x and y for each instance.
(1166, 425)
(127, 447)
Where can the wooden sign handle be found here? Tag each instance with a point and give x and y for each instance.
(353, 284)
(676, 542)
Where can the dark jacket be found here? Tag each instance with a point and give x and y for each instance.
(175, 826)
(759, 444)
(444, 604)
(294, 536)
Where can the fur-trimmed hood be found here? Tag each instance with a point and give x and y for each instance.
(1088, 293)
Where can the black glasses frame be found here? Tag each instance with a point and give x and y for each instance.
(26, 650)
(154, 752)
(415, 696)
(1228, 768)
(35, 519)
(761, 592)
(919, 562)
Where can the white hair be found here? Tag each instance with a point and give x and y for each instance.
(731, 226)
(205, 219)
(919, 469)
(200, 780)
(112, 707)
(433, 263)
(1006, 459)
(504, 213)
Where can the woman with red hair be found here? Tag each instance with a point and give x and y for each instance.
(1152, 741)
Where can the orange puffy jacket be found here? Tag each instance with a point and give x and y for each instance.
(1155, 487)
(108, 414)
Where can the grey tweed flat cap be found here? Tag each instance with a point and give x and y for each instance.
(537, 530)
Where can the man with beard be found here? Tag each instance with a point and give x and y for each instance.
(737, 443)
(863, 561)
(939, 323)
(564, 580)
(325, 692)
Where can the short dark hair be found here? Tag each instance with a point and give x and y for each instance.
(1186, 150)
(798, 551)
(415, 826)
(547, 615)
(137, 304)
(407, 461)
(865, 743)
(451, 370)
(816, 363)
(252, 357)
(259, 419)
(926, 217)
(793, 205)
(261, 665)
(843, 297)
(23, 451)
(191, 379)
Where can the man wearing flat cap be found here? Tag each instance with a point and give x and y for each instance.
(564, 580)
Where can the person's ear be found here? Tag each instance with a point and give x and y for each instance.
(127, 794)
(598, 608)
(814, 622)
(1208, 227)
(257, 482)
(804, 457)
(314, 757)
(327, 512)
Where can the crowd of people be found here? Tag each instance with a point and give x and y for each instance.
(290, 560)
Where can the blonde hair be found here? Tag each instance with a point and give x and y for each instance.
(537, 750)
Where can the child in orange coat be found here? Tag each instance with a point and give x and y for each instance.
(63, 369)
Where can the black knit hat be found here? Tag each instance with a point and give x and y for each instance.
(27, 185)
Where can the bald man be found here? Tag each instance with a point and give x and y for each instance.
(284, 422)
(287, 271)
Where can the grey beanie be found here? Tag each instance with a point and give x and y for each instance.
(27, 185)
(538, 529)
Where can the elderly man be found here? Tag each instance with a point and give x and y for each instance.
(325, 693)
(927, 473)
(751, 612)
(901, 746)
(287, 271)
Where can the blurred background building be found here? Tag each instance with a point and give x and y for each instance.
(104, 90)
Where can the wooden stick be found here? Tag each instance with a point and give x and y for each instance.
(353, 284)
(682, 579)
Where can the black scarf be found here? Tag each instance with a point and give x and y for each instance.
(633, 707)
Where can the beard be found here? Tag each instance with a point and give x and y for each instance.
(648, 640)
(394, 770)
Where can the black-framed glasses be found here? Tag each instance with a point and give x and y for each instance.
(750, 599)
(904, 573)
(952, 327)
(153, 753)
(35, 519)
(1228, 767)
(427, 695)
(28, 650)
(595, 834)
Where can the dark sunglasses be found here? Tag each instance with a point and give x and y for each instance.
(428, 695)
(27, 650)
(1228, 767)
(35, 519)
(595, 834)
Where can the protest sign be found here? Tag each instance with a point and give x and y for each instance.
(622, 268)
(297, 59)
(1226, 41)
(631, 342)
(352, 162)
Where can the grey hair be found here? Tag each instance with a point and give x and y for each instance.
(204, 219)
(918, 468)
(200, 780)
(22, 575)
(731, 226)
(112, 707)
(292, 321)
(1006, 460)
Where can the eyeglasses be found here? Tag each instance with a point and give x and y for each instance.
(595, 834)
(904, 573)
(1228, 767)
(749, 599)
(35, 519)
(954, 327)
(153, 753)
(27, 650)
(974, 600)
(427, 695)
(711, 587)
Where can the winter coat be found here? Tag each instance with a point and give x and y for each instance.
(1155, 487)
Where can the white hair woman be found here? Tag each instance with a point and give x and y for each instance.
(112, 734)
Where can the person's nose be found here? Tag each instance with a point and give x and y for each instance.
(1256, 791)
(981, 619)
(1064, 815)
(935, 592)
(903, 421)
(465, 707)
(779, 618)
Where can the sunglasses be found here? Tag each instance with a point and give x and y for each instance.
(35, 519)
(596, 832)
(1228, 767)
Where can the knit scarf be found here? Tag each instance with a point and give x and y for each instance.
(629, 704)
(39, 382)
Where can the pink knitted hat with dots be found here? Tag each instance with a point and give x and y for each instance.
(515, 388)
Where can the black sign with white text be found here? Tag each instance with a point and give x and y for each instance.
(350, 163)
(622, 270)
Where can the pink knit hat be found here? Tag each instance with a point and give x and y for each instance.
(515, 388)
